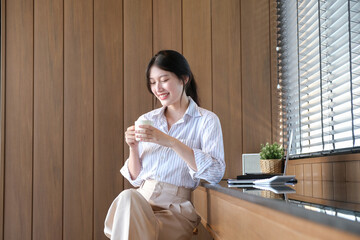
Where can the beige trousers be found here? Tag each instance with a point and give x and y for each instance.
(155, 211)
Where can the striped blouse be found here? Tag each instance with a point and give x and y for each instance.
(199, 129)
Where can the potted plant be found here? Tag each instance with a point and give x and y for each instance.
(271, 156)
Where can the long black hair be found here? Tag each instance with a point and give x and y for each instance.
(172, 61)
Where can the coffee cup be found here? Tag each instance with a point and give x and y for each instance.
(137, 124)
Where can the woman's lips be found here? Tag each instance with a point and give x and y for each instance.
(163, 96)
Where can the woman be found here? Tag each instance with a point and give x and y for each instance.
(183, 146)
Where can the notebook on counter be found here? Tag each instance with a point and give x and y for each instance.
(266, 178)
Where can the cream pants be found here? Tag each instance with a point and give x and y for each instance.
(155, 211)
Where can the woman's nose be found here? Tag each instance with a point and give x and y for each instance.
(158, 86)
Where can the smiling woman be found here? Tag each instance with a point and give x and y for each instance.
(183, 145)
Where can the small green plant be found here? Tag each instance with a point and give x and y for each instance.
(271, 151)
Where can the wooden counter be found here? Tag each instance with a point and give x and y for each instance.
(231, 214)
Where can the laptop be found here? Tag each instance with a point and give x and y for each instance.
(266, 178)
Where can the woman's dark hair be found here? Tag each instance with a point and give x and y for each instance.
(172, 61)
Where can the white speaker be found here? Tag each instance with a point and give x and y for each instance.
(251, 163)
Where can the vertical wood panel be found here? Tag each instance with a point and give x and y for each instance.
(328, 190)
(327, 171)
(352, 171)
(340, 191)
(19, 120)
(48, 119)
(227, 79)
(299, 171)
(137, 54)
(78, 120)
(308, 188)
(255, 59)
(167, 25)
(316, 171)
(108, 115)
(353, 194)
(308, 172)
(197, 46)
(299, 187)
(2, 117)
(317, 189)
(290, 170)
(167, 29)
(339, 172)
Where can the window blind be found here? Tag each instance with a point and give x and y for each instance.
(318, 50)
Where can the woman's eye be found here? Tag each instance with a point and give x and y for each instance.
(165, 80)
(152, 83)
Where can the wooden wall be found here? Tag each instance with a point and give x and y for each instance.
(72, 81)
(332, 180)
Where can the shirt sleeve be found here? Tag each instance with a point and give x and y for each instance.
(210, 158)
(125, 172)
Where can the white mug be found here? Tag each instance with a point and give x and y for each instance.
(138, 123)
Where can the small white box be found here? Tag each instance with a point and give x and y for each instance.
(251, 163)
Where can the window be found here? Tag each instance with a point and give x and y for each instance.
(318, 48)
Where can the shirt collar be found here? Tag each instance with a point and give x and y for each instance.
(193, 109)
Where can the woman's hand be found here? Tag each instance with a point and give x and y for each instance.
(130, 137)
(149, 133)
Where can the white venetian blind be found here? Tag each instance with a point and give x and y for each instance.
(319, 74)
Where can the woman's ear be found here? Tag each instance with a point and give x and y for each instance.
(186, 79)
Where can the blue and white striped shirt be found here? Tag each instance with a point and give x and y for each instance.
(199, 129)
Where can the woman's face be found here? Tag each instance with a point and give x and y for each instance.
(166, 86)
